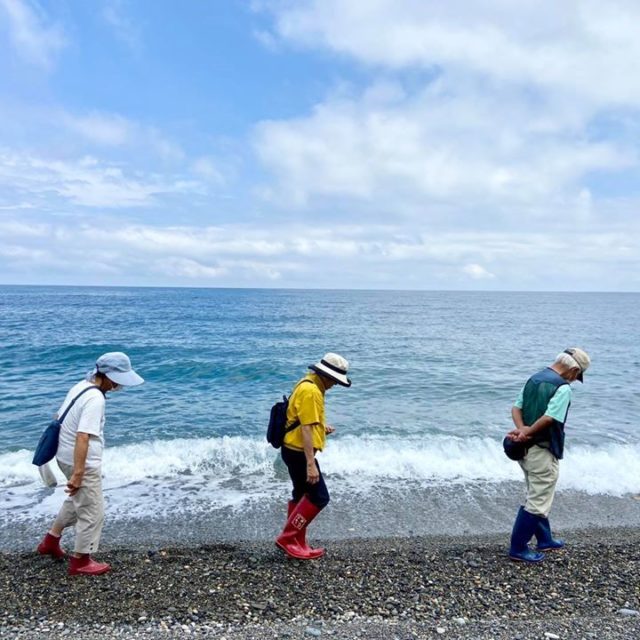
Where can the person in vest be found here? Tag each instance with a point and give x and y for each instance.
(539, 415)
(79, 457)
(301, 443)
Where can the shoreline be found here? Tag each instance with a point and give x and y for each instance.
(405, 587)
(408, 511)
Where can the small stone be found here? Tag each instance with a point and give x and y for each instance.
(551, 636)
(440, 630)
(628, 612)
(312, 631)
(460, 621)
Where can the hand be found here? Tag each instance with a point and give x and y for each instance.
(520, 434)
(313, 475)
(74, 484)
(329, 429)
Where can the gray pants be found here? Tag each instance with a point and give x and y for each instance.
(541, 470)
(85, 510)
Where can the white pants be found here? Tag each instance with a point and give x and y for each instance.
(541, 469)
(85, 510)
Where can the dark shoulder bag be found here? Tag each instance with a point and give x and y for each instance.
(48, 444)
(277, 428)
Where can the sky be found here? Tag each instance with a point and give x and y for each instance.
(386, 144)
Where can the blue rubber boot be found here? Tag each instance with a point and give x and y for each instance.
(523, 529)
(543, 535)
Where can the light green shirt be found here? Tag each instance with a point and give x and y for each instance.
(558, 405)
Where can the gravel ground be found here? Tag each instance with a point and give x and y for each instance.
(377, 588)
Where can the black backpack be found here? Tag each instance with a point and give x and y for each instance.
(277, 428)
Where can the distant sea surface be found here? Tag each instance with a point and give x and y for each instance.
(434, 378)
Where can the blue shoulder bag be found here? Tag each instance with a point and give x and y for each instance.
(48, 444)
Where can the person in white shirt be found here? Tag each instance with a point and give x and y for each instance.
(79, 457)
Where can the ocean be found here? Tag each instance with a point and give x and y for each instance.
(418, 441)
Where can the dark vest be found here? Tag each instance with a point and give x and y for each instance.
(538, 391)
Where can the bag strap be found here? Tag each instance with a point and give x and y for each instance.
(64, 414)
(296, 423)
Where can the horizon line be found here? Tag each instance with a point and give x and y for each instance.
(258, 288)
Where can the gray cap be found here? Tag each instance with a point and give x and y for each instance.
(117, 367)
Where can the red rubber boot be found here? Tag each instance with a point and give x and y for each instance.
(85, 565)
(289, 540)
(302, 536)
(50, 546)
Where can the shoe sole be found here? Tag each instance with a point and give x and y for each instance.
(93, 573)
(525, 561)
(545, 549)
(291, 555)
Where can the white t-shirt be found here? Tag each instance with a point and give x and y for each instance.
(86, 416)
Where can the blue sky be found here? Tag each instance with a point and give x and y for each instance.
(320, 143)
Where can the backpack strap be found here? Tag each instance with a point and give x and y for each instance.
(64, 414)
(296, 423)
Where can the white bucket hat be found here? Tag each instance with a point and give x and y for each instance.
(117, 367)
(333, 366)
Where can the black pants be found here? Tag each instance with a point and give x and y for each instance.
(296, 462)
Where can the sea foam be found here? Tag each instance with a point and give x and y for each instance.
(160, 476)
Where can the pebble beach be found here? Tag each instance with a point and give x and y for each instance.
(404, 588)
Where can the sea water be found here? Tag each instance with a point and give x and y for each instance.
(434, 377)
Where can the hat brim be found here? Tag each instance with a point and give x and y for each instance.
(581, 376)
(334, 375)
(125, 378)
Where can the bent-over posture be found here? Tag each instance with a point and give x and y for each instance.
(539, 415)
(310, 494)
(79, 457)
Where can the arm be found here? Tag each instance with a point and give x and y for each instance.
(518, 434)
(79, 462)
(516, 416)
(522, 432)
(307, 441)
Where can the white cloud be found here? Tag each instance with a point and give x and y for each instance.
(577, 47)
(163, 148)
(291, 255)
(477, 272)
(505, 108)
(184, 267)
(86, 181)
(34, 40)
(207, 168)
(106, 129)
(446, 143)
(100, 128)
(114, 14)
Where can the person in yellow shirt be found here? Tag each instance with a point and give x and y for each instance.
(306, 433)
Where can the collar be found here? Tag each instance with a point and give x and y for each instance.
(317, 380)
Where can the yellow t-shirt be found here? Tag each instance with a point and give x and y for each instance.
(306, 404)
